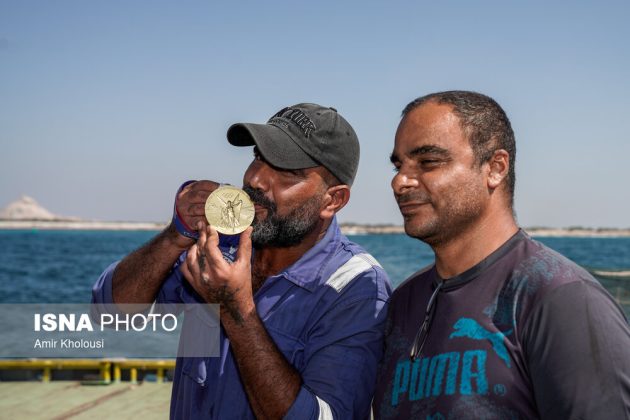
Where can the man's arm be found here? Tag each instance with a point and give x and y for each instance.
(339, 377)
(139, 276)
(270, 382)
(577, 344)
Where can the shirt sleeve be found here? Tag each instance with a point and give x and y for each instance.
(102, 289)
(342, 354)
(577, 344)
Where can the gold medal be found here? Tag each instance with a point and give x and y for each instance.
(229, 210)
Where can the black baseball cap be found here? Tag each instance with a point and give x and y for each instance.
(303, 136)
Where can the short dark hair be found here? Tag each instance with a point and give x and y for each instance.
(484, 122)
(329, 179)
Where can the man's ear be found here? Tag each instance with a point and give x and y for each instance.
(498, 167)
(335, 199)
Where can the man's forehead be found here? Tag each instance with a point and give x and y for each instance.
(429, 124)
(430, 117)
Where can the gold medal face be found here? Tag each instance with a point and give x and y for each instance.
(229, 210)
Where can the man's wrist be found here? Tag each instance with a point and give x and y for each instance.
(176, 239)
(178, 221)
(238, 314)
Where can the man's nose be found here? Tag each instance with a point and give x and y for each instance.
(403, 181)
(258, 176)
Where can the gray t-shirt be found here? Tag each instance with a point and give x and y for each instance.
(526, 333)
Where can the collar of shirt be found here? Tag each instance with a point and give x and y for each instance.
(306, 272)
(472, 273)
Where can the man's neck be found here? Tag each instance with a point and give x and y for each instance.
(474, 244)
(269, 261)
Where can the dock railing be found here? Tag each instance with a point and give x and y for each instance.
(105, 367)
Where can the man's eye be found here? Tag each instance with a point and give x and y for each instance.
(429, 161)
(294, 172)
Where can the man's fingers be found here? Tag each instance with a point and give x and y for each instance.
(212, 246)
(186, 272)
(245, 246)
(203, 237)
(196, 210)
(206, 185)
(194, 222)
(197, 192)
(191, 202)
(198, 197)
(192, 263)
(201, 256)
(201, 190)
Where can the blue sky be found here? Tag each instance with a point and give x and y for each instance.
(107, 106)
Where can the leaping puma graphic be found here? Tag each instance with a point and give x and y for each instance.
(468, 327)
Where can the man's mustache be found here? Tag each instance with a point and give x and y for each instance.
(413, 196)
(258, 197)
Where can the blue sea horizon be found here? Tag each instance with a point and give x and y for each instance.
(61, 266)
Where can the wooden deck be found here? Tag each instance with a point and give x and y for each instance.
(72, 400)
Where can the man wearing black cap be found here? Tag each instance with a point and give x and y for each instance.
(302, 315)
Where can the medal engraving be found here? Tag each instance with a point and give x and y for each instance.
(229, 210)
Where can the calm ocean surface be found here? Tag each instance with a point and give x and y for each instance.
(61, 266)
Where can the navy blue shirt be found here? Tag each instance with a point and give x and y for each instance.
(325, 313)
(523, 334)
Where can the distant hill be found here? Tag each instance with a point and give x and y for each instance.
(27, 213)
(26, 208)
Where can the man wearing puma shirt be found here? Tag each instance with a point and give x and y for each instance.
(500, 326)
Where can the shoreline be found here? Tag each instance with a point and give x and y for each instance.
(77, 225)
(346, 228)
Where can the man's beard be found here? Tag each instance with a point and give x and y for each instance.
(463, 211)
(282, 231)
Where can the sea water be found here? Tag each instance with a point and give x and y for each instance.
(61, 266)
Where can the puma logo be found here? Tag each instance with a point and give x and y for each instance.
(467, 327)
